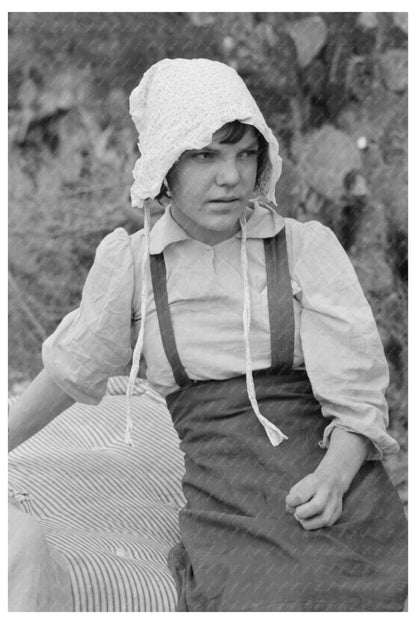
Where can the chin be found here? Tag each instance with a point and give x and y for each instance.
(220, 222)
(222, 226)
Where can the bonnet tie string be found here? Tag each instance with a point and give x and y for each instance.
(139, 344)
(273, 433)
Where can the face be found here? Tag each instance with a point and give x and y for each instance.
(210, 187)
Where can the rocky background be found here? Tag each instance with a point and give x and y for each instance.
(333, 86)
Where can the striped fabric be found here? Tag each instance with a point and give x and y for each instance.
(110, 509)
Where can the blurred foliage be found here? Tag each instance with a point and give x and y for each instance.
(333, 86)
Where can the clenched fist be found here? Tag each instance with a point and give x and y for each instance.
(316, 500)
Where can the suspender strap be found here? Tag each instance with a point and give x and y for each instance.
(279, 293)
(158, 273)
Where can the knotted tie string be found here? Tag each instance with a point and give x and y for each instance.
(273, 433)
(139, 344)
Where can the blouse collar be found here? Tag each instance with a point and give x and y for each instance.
(264, 222)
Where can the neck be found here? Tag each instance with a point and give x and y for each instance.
(199, 232)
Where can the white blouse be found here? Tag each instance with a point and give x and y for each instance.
(336, 338)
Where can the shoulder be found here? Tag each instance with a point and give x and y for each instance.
(301, 236)
(112, 279)
(120, 243)
(299, 231)
(116, 242)
(315, 253)
(114, 254)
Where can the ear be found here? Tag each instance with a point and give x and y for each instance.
(165, 188)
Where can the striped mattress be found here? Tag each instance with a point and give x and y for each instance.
(111, 510)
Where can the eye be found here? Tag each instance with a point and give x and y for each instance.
(203, 156)
(250, 153)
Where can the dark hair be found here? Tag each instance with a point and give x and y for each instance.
(232, 132)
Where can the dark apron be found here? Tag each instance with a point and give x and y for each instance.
(240, 549)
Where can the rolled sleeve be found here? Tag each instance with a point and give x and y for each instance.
(343, 353)
(93, 342)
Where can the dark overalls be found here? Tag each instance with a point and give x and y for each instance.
(240, 549)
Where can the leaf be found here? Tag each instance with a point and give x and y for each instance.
(401, 20)
(325, 157)
(394, 69)
(309, 35)
(368, 20)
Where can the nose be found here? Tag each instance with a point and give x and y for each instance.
(228, 173)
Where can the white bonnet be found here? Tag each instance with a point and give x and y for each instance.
(178, 106)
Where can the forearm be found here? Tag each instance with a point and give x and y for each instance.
(345, 455)
(39, 405)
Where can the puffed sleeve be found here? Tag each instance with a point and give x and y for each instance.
(343, 353)
(93, 342)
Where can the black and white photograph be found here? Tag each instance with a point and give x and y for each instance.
(207, 311)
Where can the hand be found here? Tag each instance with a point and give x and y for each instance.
(316, 500)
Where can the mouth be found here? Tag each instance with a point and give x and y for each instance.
(224, 200)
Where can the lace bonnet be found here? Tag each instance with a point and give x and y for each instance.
(178, 105)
